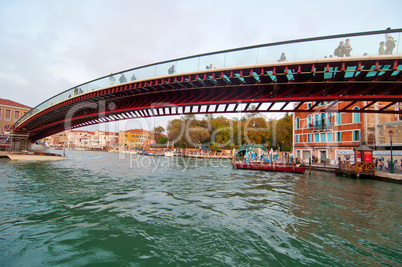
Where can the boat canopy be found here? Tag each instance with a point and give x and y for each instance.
(242, 150)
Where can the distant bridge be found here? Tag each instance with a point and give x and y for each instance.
(248, 79)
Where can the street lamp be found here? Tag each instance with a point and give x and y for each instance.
(391, 169)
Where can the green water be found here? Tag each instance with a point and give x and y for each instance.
(98, 209)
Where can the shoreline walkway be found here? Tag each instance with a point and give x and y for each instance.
(379, 175)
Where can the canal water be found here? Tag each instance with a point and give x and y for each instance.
(98, 208)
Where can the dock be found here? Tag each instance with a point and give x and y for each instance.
(355, 169)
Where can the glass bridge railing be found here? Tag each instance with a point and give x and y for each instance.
(361, 44)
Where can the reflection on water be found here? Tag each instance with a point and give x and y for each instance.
(95, 208)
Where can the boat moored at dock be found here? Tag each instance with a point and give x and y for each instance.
(269, 167)
(257, 157)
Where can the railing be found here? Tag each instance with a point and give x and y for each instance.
(5, 142)
(326, 127)
(356, 167)
(366, 43)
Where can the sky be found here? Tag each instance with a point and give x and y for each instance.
(48, 46)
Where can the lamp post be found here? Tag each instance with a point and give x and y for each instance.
(391, 169)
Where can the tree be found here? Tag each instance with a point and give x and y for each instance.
(175, 131)
(257, 131)
(284, 132)
(159, 136)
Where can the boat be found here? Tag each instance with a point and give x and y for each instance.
(257, 157)
(35, 156)
(269, 167)
(169, 154)
(148, 153)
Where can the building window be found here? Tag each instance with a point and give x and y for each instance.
(322, 122)
(356, 116)
(317, 137)
(0, 113)
(309, 121)
(329, 137)
(323, 137)
(339, 136)
(297, 123)
(356, 135)
(16, 115)
(309, 137)
(316, 120)
(308, 105)
(297, 138)
(338, 118)
(7, 117)
(329, 119)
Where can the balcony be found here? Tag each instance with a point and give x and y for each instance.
(322, 128)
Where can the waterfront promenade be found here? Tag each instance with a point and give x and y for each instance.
(383, 175)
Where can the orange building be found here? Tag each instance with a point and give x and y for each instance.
(328, 136)
(135, 139)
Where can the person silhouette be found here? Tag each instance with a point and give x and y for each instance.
(381, 50)
(347, 48)
(282, 58)
(389, 43)
(112, 79)
(171, 70)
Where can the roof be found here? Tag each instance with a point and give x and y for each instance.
(363, 148)
(137, 130)
(391, 123)
(7, 102)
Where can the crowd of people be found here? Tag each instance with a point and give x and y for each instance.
(386, 47)
(380, 164)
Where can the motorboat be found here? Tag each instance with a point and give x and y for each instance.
(169, 154)
(35, 156)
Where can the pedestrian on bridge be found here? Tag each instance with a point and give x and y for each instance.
(347, 48)
(171, 70)
(340, 50)
(282, 58)
(381, 50)
(122, 78)
(112, 79)
(390, 45)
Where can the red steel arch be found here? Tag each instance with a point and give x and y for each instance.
(274, 87)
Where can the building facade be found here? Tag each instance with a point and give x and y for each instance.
(330, 136)
(135, 139)
(10, 112)
(78, 139)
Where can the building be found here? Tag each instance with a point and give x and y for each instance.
(135, 139)
(10, 112)
(104, 140)
(98, 140)
(329, 136)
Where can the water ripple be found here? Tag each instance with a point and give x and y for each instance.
(95, 208)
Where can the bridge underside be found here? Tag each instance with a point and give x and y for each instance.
(280, 87)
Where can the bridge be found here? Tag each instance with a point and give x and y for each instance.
(274, 77)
